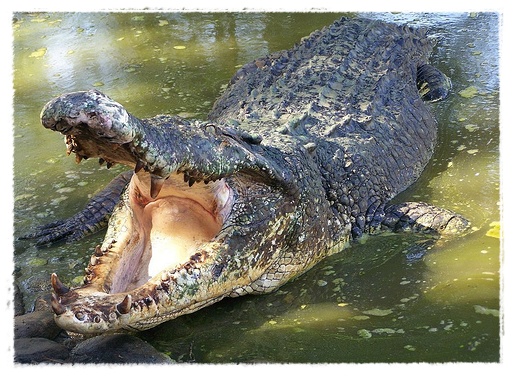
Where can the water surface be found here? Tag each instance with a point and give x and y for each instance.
(364, 305)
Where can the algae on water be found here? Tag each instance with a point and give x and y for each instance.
(469, 92)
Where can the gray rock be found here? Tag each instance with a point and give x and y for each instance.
(117, 348)
(19, 308)
(39, 350)
(36, 324)
(43, 302)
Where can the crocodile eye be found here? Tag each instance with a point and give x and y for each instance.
(97, 319)
(113, 316)
(80, 316)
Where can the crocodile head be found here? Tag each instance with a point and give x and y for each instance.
(205, 216)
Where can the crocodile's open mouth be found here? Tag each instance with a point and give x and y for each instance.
(163, 232)
(160, 223)
(180, 237)
(162, 228)
(151, 245)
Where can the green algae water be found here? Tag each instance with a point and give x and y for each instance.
(366, 304)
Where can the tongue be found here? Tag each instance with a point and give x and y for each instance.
(178, 227)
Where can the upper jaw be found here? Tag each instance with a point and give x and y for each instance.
(93, 126)
(96, 126)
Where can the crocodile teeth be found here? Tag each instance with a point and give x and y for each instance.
(94, 260)
(156, 185)
(138, 166)
(125, 305)
(188, 179)
(70, 145)
(98, 251)
(57, 307)
(58, 286)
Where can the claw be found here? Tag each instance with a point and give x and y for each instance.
(57, 307)
(59, 287)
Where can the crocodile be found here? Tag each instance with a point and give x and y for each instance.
(301, 155)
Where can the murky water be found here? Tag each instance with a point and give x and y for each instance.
(364, 305)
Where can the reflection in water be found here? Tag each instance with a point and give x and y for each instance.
(365, 305)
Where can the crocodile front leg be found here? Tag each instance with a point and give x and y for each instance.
(92, 218)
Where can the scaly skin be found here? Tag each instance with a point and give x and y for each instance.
(302, 153)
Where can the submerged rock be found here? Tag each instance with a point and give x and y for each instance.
(117, 348)
(36, 324)
(38, 339)
(39, 350)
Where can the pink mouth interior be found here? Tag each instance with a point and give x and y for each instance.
(165, 231)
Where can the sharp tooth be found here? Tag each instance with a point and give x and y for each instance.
(156, 185)
(57, 307)
(69, 144)
(58, 286)
(125, 305)
(138, 166)
(88, 278)
(98, 251)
